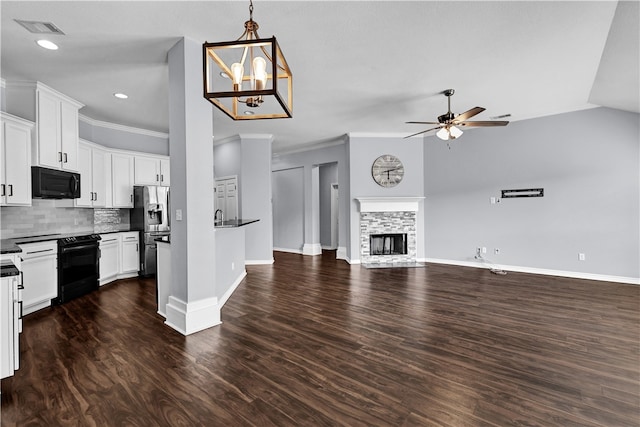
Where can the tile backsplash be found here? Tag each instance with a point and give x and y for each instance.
(56, 216)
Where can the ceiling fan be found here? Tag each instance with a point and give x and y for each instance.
(448, 124)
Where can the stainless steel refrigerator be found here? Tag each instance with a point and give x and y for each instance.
(150, 215)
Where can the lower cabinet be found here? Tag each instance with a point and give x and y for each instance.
(40, 274)
(130, 255)
(119, 256)
(109, 257)
(9, 325)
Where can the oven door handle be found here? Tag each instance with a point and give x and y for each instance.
(78, 248)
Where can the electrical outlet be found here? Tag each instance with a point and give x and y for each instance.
(484, 250)
(178, 214)
(233, 265)
(581, 257)
(496, 251)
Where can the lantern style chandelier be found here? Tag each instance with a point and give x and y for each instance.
(248, 78)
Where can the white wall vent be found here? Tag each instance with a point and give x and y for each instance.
(40, 27)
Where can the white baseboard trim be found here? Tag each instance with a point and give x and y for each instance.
(230, 291)
(328, 248)
(188, 318)
(341, 252)
(258, 261)
(541, 271)
(291, 251)
(312, 249)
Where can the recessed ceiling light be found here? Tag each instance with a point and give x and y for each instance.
(120, 95)
(47, 44)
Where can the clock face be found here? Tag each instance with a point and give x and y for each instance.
(387, 171)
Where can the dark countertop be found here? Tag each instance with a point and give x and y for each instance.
(8, 246)
(234, 223)
(7, 269)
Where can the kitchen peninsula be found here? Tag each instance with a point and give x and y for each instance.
(229, 264)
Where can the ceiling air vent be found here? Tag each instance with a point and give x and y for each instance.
(40, 27)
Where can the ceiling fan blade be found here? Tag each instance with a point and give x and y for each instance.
(484, 124)
(424, 123)
(468, 114)
(424, 131)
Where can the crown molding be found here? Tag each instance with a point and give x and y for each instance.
(123, 128)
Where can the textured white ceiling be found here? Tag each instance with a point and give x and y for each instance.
(358, 66)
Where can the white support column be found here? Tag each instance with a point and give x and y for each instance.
(192, 301)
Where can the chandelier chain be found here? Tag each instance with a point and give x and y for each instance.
(250, 10)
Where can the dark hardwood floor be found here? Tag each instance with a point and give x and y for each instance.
(312, 341)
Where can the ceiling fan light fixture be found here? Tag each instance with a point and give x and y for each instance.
(455, 132)
(260, 76)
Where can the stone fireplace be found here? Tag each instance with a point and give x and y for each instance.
(388, 229)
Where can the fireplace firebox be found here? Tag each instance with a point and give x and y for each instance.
(388, 244)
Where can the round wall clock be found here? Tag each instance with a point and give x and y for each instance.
(387, 170)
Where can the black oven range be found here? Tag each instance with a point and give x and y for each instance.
(78, 266)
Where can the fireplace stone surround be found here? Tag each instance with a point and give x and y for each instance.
(388, 215)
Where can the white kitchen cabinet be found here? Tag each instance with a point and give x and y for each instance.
(15, 160)
(40, 274)
(109, 257)
(130, 254)
(92, 167)
(9, 326)
(56, 117)
(152, 170)
(122, 180)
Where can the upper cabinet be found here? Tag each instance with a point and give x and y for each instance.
(56, 117)
(152, 170)
(122, 180)
(15, 159)
(95, 167)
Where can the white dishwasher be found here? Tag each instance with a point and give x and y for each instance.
(39, 274)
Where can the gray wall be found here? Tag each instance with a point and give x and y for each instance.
(254, 184)
(363, 150)
(125, 139)
(586, 161)
(328, 176)
(288, 209)
(307, 160)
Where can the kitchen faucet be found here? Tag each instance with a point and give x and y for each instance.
(215, 215)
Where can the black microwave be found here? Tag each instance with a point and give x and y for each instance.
(54, 184)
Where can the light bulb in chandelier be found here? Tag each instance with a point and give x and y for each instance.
(260, 72)
(237, 72)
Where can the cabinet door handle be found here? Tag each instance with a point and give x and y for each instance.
(157, 177)
(132, 197)
(136, 247)
(93, 196)
(161, 178)
(60, 156)
(4, 189)
(65, 157)
(10, 190)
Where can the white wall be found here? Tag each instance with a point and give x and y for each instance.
(586, 161)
